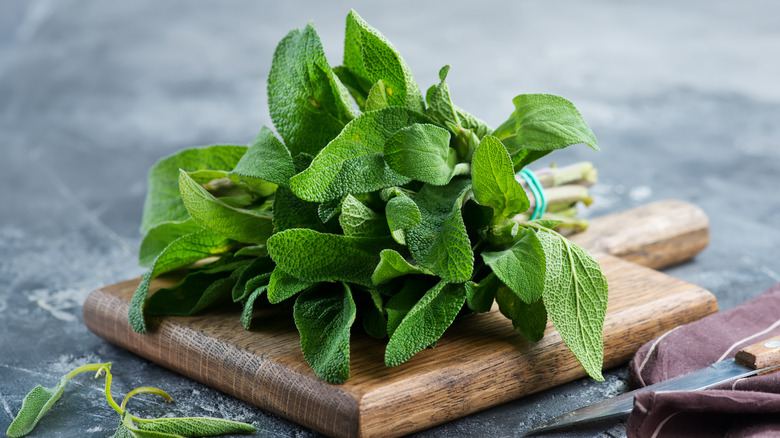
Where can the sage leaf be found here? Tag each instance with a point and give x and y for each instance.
(214, 215)
(195, 426)
(403, 301)
(308, 104)
(493, 178)
(369, 55)
(480, 296)
(440, 106)
(358, 87)
(162, 235)
(374, 319)
(377, 97)
(440, 242)
(282, 286)
(401, 213)
(267, 159)
(324, 317)
(393, 265)
(329, 209)
(312, 256)
(357, 219)
(521, 267)
(163, 201)
(181, 252)
(261, 266)
(197, 292)
(425, 322)
(575, 294)
(422, 152)
(544, 122)
(529, 319)
(354, 161)
(249, 306)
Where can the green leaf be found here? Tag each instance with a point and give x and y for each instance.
(252, 251)
(480, 296)
(402, 213)
(494, 181)
(329, 209)
(162, 235)
(544, 122)
(212, 214)
(522, 266)
(422, 152)
(575, 294)
(128, 429)
(392, 265)
(308, 104)
(267, 159)
(369, 55)
(324, 317)
(181, 252)
(197, 292)
(312, 256)
(291, 211)
(358, 220)
(249, 306)
(440, 242)
(377, 97)
(425, 322)
(354, 161)
(261, 266)
(529, 319)
(283, 286)
(357, 87)
(163, 200)
(195, 426)
(374, 320)
(440, 106)
(403, 301)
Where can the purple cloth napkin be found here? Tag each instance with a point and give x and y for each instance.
(748, 407)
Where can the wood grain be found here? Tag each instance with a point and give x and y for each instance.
(479, 362)
(761, 354)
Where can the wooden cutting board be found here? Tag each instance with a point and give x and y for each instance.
(479, 362)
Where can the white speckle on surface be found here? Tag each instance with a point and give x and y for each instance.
(58, 304)
(641, 193)
(5, 406)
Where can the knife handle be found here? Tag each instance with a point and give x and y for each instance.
(761, 354)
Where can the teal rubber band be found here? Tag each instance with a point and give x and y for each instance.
(540, 201)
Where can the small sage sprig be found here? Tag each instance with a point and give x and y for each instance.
(41, 399)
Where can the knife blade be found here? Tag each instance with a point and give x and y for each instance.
(759, 358)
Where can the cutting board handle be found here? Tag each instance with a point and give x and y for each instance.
(660, 234)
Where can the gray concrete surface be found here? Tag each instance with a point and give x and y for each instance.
(684, 98)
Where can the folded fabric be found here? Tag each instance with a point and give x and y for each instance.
(747, 407)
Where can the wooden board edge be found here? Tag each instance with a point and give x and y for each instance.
(275, 379)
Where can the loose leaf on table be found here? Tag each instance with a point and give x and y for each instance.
(425, 322)
(575, 294)
(529, 319)
(163, 201)
(422, 152)
(283, 285)
(393, 265)
(312, 256)
(401, 213)
(494, 181)
(544, 122)
(324, 317)
(239, 224)
(194, 426)
(354, 161)
(521, 267)
(267, 159)
(162, 235)
(181, 252)
(308, 104)
(440, 242)
(370, 56)
(38, 401)
(358, 220)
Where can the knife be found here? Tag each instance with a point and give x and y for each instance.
(759, 358)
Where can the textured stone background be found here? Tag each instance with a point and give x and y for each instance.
(684, 98)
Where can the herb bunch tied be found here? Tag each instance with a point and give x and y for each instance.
(377, 205)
